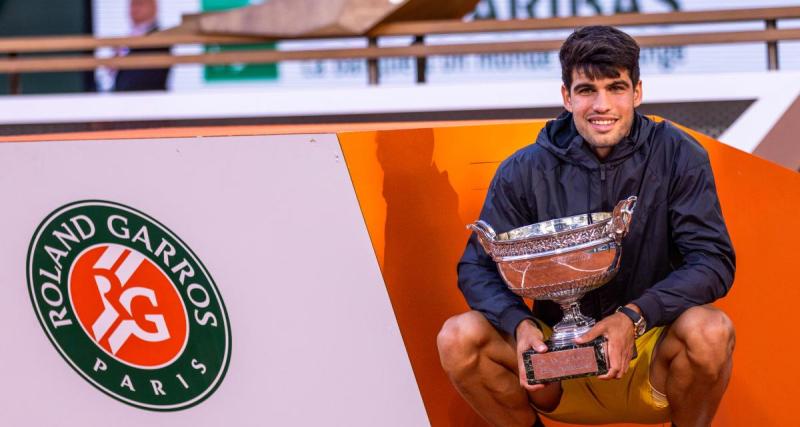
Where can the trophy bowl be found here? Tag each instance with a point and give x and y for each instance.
(561, 260)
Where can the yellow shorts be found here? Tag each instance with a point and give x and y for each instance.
(631, 399)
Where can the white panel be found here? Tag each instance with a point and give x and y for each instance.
(773, 93)
(236, 102)
(276, 222)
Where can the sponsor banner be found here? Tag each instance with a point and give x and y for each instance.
(128, 305)
(193, 282)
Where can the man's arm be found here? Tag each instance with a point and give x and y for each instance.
(506, 207)
(706, 258)
(705, 273)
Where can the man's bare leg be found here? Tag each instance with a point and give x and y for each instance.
(482, 365)
(692, 364)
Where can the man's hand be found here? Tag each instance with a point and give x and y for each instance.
(528, 337)
(618, 329)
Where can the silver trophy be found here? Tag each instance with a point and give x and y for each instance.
(560, 260)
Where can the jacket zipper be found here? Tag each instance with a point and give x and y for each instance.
(603, 196)
(598, 298)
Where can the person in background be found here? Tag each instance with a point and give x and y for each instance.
(143, 19)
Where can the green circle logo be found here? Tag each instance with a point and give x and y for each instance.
(129, 305)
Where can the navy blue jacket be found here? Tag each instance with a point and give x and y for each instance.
(677, 254)
(143, 79)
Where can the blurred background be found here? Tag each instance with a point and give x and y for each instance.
(689, 83)
(111, 18)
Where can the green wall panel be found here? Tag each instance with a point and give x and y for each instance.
(46, 18)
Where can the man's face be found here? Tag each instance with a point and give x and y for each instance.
(602, 109)
(142, 11)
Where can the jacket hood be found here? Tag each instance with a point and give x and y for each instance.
(561, 138)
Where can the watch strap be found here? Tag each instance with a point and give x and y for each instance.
(636, 318)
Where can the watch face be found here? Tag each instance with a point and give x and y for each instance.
(640, 327)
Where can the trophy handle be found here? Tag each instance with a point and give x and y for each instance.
(621, 218)
(485, 232)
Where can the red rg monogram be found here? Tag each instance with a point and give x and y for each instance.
(128, 306)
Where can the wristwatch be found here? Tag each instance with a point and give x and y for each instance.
(639, 324)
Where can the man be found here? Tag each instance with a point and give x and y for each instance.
(677, 258)
(143, 19)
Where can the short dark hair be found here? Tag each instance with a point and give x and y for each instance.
(599, 52)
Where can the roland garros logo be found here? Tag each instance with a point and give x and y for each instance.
(128, 305)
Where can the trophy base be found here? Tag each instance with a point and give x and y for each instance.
(566, 361)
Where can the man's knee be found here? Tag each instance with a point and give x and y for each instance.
(460, 340)
(708, 337)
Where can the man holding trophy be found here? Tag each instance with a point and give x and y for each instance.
(619, 214)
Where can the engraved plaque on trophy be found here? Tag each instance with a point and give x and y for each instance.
(560, 260)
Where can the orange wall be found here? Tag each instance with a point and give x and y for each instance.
(418, 188)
